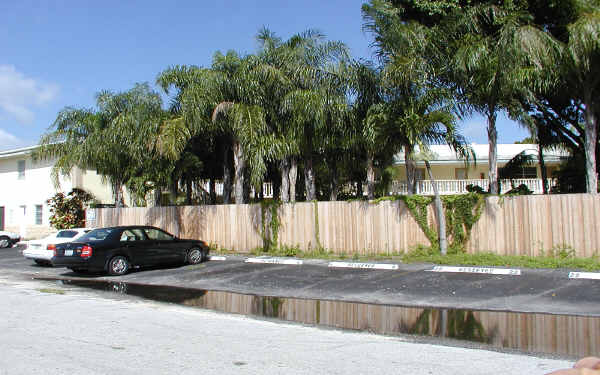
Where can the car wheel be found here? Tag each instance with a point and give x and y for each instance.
(4, 242)
(118, 266)
(194, 255)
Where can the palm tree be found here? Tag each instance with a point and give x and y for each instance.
(487, 65)
(581, 66)
(484, 51)
(374, 134)
(113, 139)
(312, 101)
(223, 101)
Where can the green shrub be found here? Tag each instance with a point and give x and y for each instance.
(69, 211)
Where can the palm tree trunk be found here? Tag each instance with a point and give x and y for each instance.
(293, 178)
(335, 185)
(157, 196)
(370, 177)
(212, 191)
(246, 185)
(276, 189)
(226, 177)
(239, 165)
(493, 152)
(411, 168)
(188, 192)
(173, 190)
(359, 189)
(543, 168)
(284, 167)
(118, 194)
(309, 178)
(439, 209)
(591, 135)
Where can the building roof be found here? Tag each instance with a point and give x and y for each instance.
(443, 154)
(17, 152)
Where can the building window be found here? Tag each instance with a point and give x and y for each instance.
(39, 209)
(21, 169)
(530, 172)
(460, 173)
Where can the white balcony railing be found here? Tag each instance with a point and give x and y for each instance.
(424, 187)
(448, 187)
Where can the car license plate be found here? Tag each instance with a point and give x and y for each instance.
(68, 253)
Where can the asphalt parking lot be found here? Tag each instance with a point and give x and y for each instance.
(541, 291)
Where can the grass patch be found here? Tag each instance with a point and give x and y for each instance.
(552, 259)
(558, 257)
(51, 290)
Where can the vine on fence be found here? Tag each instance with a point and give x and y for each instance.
(270, 237)
(461, 211)
(317, 235)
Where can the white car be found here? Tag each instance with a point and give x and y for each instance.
(41, 251)
(8, 239)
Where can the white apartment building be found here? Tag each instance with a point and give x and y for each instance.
(25, 186)
(453, 175)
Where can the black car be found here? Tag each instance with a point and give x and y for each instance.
(117, 249)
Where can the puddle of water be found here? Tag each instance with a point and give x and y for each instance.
(575, 336)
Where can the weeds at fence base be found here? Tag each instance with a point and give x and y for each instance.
(558, 257)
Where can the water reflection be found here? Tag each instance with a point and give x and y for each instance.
(561, 334)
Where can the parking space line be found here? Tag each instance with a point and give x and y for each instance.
(482, 270)
(217, 257)
(380, 266)
(584, 275)
(274, 261)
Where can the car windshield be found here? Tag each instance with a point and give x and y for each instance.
(66, 234)
(96, 235)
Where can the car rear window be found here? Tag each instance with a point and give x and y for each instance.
(96, 235)
(66, 234)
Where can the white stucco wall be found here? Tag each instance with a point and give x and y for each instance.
(20, 196)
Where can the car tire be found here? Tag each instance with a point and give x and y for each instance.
(4, 242)
(118, 265)
(195, 255)
(42, 262)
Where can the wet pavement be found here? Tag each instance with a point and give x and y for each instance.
(51, 328)
(563, 335)
(538, 291)
(536, 311)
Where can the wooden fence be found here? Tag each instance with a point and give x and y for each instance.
(523, 225)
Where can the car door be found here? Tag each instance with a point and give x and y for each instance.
(138, 247)
(165, 244)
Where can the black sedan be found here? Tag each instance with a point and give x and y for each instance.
(117, 249)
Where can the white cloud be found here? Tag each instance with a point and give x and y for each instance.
(19, 95)
(474, 130)
(9, 141)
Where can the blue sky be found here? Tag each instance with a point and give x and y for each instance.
(60, 53)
